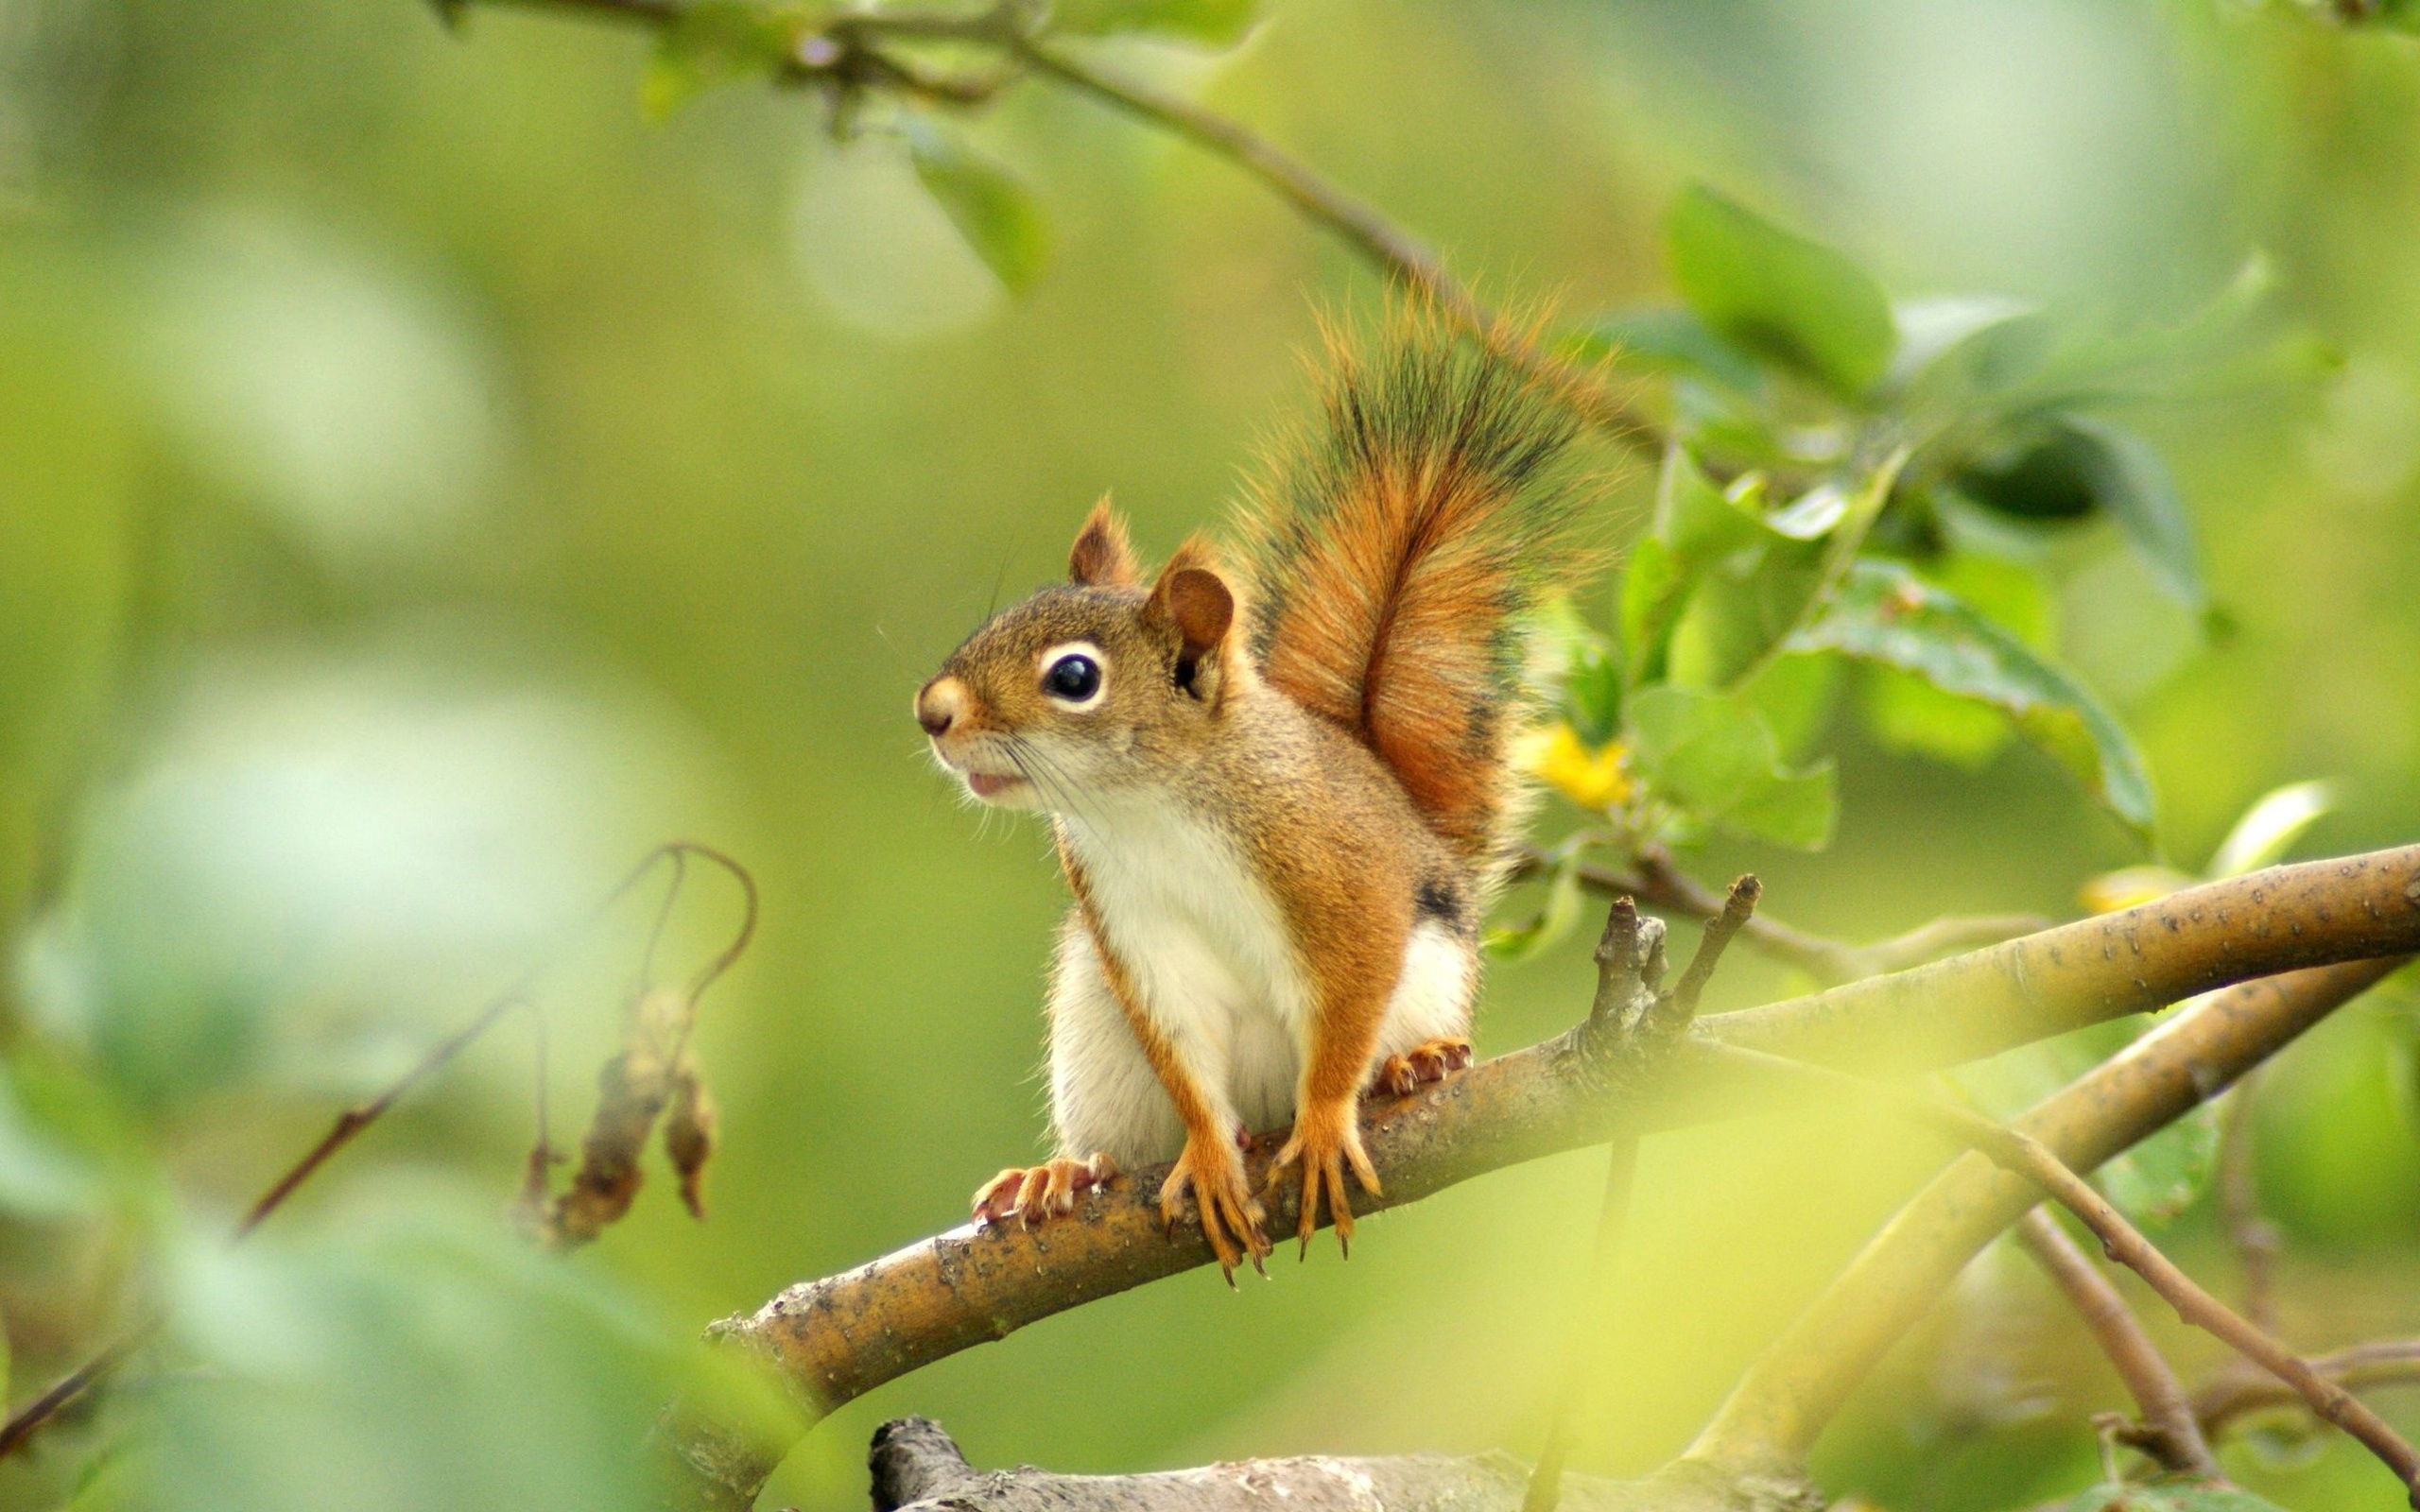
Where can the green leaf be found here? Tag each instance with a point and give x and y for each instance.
(1574, 667)
(1794, 697)
(1771, 291)
(1217, 22)
(1962, 344)
(2047, 475)
(2134, 487)
(712, 43)
(1554, 919)
(1884, 614)
(2270, 828)
(1905, 713)
(991, 206)
(1713, 757)
(1667, 340)
(1653, 589)
(1742, 607)
(2171, 1498)
(2168, 1173)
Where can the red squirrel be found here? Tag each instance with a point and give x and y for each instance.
(1280, 783)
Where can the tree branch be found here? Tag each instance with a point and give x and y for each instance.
(834, 1339)
(1787, 1397)
(843, 52)
(1659, 884)
(2170, 1433)
(2242, 1390)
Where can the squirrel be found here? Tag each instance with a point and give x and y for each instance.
(1281, 783)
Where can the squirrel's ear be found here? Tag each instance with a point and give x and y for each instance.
(1191, 598)
(1102, 556)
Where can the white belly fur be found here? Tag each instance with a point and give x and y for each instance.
(1212, 962)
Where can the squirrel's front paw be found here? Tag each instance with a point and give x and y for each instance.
(1431, 1060)
(1327, 1138)
(1224, 1200)
(1027, 1193)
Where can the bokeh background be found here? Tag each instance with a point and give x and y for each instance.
(425, 482)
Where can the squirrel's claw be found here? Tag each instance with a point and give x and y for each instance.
(1325, 1141)
(1230, 1216)
(1041, 1192)
(1424, 1064)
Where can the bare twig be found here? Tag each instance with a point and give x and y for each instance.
(2242, 1390)
(2169, 1432)
(2253, 1237)
(2014, 1151)
(1659, 884)
(845, 53)
(1785, 1399)
(834, 1338)
(26, 1421)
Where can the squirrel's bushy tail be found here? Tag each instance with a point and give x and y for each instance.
(1392, 550)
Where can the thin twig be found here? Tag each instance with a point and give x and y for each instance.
(1738, 910)
(2023, 1155)
(2254, 1238)
(843, 54)
(1658, 883)
(2239, 1391)
(2169, 1431)
(349, 1124)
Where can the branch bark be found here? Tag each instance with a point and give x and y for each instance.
(2242, 1390)
(834, 1339)
(2170, 1433)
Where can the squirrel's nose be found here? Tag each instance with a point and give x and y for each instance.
(939, 705)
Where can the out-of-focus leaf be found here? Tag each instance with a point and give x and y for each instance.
(40, 1175)
(1793, 694)
(2270, 828)
(1572, 665)
(2047, 476)
(2175, 1498)
(2134, 487)
(1907, 713)
(1961, 343)
(416, 1356)
(1667, 339)
(1713, 756)
(713, 43)
(1742, 607)
(1777, 293)
(1592, 695)
(2129, 887)
(1884, 614)
(2168, 1173)
(991, 206)
(1653, 589)
(1553, 921)
(1215, 23)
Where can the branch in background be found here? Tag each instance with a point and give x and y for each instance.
(349, 1125)
(2242, 1390)
(834, 1339)
(846, 56)
(1658, 884)
(2253, 1237)
(1787, 1398)
(2169, 1431)
(2023, 1155)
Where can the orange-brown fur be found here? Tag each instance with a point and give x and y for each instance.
(1337, 714)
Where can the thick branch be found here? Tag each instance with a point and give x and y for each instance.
(837, 1338)
(1787, 1398)
(917, 1468)
(2170, 1433)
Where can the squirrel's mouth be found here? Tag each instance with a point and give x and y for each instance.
(990, 784)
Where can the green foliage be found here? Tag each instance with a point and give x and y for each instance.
(2080, 465)
(2192, 1497)
(1553, 919)
(991, 206)
(1214, 23)
(1771, 292)
(718, 42)
(1886, 614)
(1715, 755)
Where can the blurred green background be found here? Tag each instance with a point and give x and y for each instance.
(424, 482)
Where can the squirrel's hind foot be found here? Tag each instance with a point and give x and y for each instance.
(1222, 1200)
(1326, 1140)
(1423, 1065)
(1041, 1192)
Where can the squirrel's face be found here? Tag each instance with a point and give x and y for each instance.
(1085, 687)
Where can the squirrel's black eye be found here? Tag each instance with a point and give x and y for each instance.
(1074, 677)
